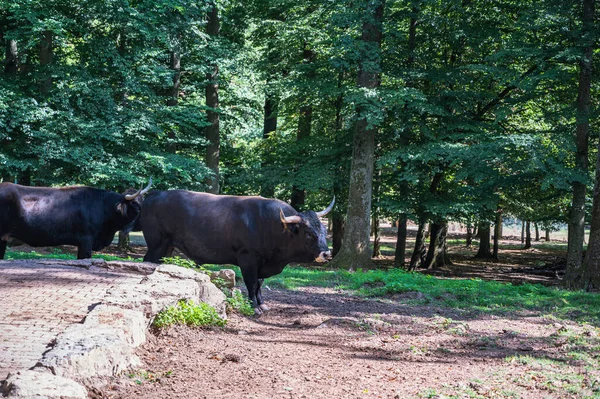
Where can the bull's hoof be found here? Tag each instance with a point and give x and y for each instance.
(257, 312)
(264, 307)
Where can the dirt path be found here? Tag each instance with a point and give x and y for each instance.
(318, 343)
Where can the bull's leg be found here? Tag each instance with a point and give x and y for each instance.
(2, 248)
(250, 275)
(156, 252)
(84, 249)
(259, 299)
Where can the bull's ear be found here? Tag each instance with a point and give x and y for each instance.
(121, 207)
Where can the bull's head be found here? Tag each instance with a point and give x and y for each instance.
(130, 206)
(308, 227)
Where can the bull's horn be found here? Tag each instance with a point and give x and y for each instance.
(327, 210)
(131, 197)
(144, 191)
(289, 219)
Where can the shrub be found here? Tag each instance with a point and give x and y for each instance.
(189, 313)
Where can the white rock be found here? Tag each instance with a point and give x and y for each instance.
(29, 384)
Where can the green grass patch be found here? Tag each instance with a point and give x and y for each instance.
(189, 313)
(471, 295)
(238, 302)
(58, 254)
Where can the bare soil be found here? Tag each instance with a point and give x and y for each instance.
(322, 343)
(319, 343)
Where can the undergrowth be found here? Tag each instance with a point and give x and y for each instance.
(187, 312)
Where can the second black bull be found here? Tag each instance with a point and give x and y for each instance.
(259, 235)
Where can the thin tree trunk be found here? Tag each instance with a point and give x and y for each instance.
(212, 101)
(497, 233)
(11, 63)
(527, 235)
(469, 239)
(337, 217)
(537, 231)
(437, 252)
(376, 237)
(304, 130)
(547, 235)
(355, 246)
(475, 231)
(484, 241)
(46, 59)
(267, 188)
(522, 232)
(574, 275)
(419, 252)
(124, 244)
(400, 253)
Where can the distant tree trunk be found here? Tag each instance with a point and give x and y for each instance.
(355, 246)
(419, 252)
(400, 254)
(576, 275)
(547, 235)
(522, 232)
(46, 59)
(124, 244)
(304, 130)
(337, 231)
(527, 235)
(537, 231)
(484, 241)
(337, 216)
(497, 233)
(475, 231)
(376, 238)
(437, 255)
(469, 239)
(267, 188)
(11, 63)
(212, 100)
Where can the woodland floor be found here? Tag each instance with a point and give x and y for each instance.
(324, 343)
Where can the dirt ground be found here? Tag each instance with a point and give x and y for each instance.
(322, 343)
(319, 343)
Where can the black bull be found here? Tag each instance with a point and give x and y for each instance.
(259, 235)
(82, 216)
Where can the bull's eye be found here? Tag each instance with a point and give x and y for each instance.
(308, 236)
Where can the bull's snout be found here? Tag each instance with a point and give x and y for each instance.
(324, 256)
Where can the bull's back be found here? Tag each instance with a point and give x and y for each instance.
(41, 216)
(208, 228)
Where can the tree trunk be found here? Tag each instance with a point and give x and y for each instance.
(437, 253)
(124, 244)
(522, 232)
(475, 231)
(212, 101)
(338, 217)
(45, 60)
(527, 235)
(419, 252)
(497, 233)
(400, 253)
(304, 127)
(355, 246)
(304, 130)
(574, 275)
(267, 188)
(469, 239)
(484, 241)
(11, 63)
(376, 237)
(537, 231)
(547, 235)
